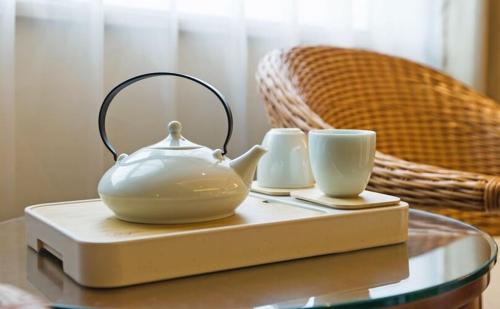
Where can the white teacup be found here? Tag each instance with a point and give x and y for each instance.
(286, 163)
(342, 160)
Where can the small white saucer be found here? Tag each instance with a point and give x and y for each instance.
(272, 191)
(367, 199)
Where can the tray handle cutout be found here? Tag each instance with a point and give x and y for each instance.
(42, 246)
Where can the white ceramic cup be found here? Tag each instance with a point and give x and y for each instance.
(286, 163)
(342, 160)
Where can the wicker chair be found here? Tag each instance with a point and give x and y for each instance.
(438, 140)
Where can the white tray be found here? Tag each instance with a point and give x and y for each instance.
(98, 250)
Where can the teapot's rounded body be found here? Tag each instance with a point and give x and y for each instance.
(175, 180)
(172, 186)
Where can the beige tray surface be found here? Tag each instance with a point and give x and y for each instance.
(92, 221)
(98, 250)
(367, 199)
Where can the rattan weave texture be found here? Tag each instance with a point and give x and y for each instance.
(438, 140)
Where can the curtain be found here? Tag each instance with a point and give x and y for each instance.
(58, 59)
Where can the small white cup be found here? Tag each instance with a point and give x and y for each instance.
(342, 160)
(286, 163)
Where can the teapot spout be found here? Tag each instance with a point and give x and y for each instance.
(246, 164)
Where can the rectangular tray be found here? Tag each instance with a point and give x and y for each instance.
(98, 250)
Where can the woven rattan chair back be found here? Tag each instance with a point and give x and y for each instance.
(419, 114)
(438, 140)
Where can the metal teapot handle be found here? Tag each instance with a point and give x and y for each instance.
(111, 95)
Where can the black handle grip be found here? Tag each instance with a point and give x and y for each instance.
(111, 95)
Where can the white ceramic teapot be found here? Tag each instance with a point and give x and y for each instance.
(175, 180)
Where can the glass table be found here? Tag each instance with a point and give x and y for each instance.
(444, 264)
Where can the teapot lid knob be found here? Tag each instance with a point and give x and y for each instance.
(174, 139)
(174, 129)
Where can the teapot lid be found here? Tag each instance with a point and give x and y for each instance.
(174, 139)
